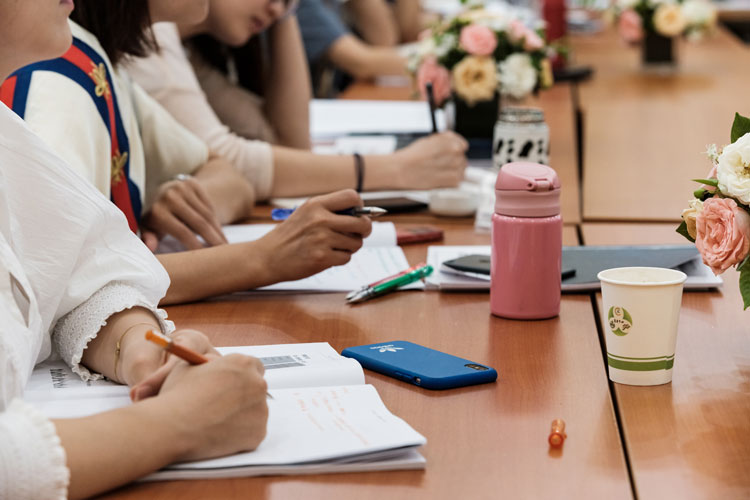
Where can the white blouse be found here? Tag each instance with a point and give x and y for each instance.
(68, 261)
(63, 114)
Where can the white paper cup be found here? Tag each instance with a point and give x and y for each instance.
(639, 317)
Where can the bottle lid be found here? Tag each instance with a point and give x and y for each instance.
(521, 115)
(526, 189)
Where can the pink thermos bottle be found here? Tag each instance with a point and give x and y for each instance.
(526, 243)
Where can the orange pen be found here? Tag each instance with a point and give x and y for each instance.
(189, 355)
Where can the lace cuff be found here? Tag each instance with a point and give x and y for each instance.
(32, 460)
(75, 330)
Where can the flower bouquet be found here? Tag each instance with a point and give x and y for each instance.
(478, 55)
(655, 23)
(718, 218)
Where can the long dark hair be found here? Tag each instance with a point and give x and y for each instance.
(250, 60)
(123, 27)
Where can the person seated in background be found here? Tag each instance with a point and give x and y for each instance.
(329, 43)
(385, 22)
(72, 106)
(225, 114)
(77, 283)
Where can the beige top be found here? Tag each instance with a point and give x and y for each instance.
(225, 116)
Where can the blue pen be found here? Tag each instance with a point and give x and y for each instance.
(284, 213)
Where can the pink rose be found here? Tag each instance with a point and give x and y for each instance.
(478, 40)
(431, 71)
(722, 231)
(631, 26)
(519, 32)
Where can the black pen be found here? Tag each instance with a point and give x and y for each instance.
(431, 102)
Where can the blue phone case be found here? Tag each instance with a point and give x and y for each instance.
(420, 365)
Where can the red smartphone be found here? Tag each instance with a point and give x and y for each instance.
(419, 234)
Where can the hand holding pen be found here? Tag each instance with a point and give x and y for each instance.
(314, 237)
(280, 214)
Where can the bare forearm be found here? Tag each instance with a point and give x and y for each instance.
(408, 15)
(374, 21)
(288, 95)
(114, 448)
(302, 173)
(230, 193)
(126, 328)
(365, 61)
(213, 271)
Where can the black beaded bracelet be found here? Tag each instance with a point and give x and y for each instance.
(359, 169)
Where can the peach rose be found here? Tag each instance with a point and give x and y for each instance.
(630, 26)
(722, 231)
(431, 71)
(519, 32)
(478, 40)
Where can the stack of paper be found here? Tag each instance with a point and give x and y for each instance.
(322, 417)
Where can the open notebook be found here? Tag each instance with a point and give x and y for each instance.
(378, 258)
(322, 417)
(586, 260)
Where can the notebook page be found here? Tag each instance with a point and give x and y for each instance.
(316, 424)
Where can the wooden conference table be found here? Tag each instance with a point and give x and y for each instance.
(687, 439)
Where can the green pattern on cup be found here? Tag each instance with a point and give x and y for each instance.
(619, 321)
(640, 364)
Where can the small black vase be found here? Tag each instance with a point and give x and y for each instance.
(658, 49)
(477, 121)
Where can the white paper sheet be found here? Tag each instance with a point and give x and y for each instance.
(383, 234)
(330, 118)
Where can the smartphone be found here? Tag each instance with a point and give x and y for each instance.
(396, 204)
(420, 365)
(419, 234)
(481, 264)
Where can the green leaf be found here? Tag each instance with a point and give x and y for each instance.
(745, 287)
(741, 265)
(740, 127)
(698, 193)
(708, 182)
(682, 229)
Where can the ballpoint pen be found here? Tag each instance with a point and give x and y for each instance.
(284, 213)
(391, 285)
(387, 278)
(189, 355)
(431, 102)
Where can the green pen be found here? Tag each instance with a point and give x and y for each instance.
(388, 286)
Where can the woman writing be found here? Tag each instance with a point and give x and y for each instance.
(79, 284)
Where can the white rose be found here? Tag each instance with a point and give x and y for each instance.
(669, 20)
(689, 215)
(426, 47)
(517, 75)
(733, 170)
(699, 13)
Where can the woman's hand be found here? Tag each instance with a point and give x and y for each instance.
(435, 161)
(184, 210)
(314, 238)
(147, 370)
